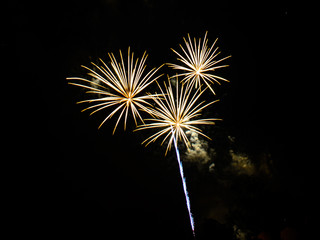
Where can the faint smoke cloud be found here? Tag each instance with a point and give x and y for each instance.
(199, 151)
(241, 163)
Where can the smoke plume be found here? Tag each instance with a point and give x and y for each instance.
(199, 151)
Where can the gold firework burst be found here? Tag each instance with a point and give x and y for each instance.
(199, 61)
(176, 113)
(120, 86)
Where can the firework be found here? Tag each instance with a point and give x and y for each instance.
(198, 63)
(120, 87)
(184, 183)
(176, 113)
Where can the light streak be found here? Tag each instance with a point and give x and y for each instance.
(184, 184)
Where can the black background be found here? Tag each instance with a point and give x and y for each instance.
(70, 179)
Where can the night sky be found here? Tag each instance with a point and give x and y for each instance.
(78, 181)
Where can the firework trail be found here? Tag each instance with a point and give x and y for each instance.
(174, 114)
(183, 183)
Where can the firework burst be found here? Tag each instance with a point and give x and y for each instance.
(120, 87)
(176, 113)
(198, 62)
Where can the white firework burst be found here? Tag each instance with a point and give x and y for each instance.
(120, 86)
(176, 113)
(199, 62)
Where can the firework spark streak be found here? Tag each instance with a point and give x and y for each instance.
(198, 63)
(183, 183)
(120, 86)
